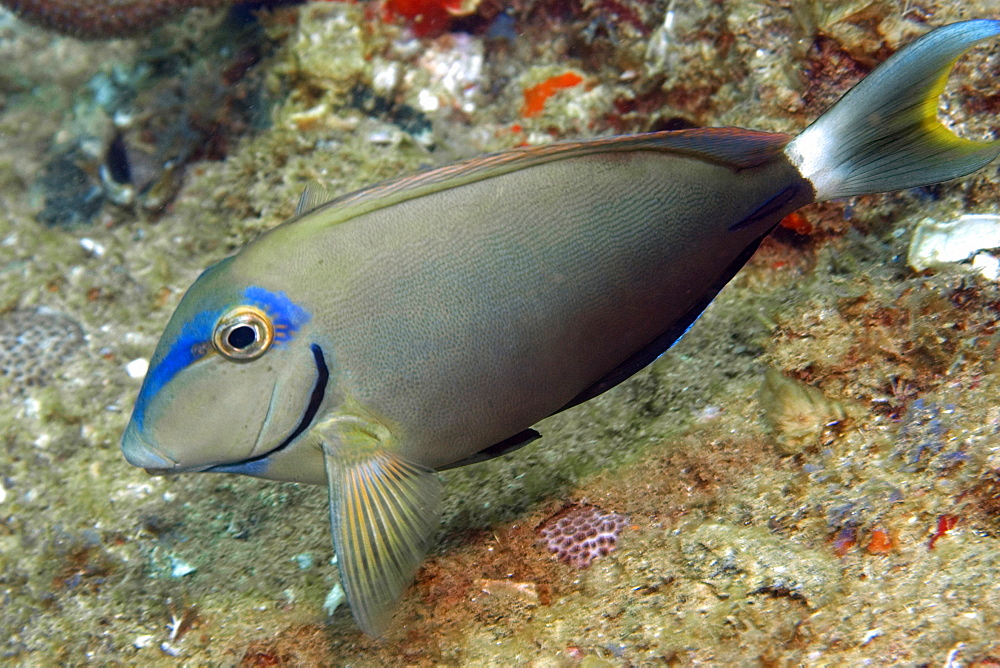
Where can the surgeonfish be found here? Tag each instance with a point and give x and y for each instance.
(429, 321)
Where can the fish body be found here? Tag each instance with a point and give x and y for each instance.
(456, 327)
(430, 321)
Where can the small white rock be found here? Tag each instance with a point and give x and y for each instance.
(170, 650)
(31, 408)
(428, 101)
(137, 368)
(142, 641)
(385, 76)
(987, 265)
(871, 635)
(94, 248)
(304, 560)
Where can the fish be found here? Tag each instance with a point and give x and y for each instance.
(431, 321)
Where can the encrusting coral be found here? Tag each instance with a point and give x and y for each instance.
(103, 19)
(579, 534)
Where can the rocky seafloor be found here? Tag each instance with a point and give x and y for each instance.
(811, 476)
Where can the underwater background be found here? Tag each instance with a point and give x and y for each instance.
(812, 475)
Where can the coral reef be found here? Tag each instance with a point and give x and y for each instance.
(35, 344)
(103, 19)
(581, 533)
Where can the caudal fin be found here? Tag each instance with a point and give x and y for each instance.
(884, 134)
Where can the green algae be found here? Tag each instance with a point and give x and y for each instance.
(89, 546)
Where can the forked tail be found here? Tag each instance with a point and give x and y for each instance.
(884, 133)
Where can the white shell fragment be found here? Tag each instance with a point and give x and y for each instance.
(179, 568)
(334, 599)
(934, 243)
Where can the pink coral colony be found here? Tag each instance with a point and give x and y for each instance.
(578, 534)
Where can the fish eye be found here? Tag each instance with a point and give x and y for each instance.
(244, 333)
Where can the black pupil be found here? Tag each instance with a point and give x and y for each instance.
(242, 336)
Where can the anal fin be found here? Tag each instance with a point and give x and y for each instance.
(504, 447)
(384, 514)
(651, 351)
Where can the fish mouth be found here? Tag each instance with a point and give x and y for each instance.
(176, 469)
(315, 400)
(143, 454)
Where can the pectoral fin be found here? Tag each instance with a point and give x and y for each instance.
(384, 513)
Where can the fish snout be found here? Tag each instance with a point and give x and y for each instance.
(143, 454)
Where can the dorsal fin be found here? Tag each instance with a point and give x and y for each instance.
(733, 147)
(313, 196)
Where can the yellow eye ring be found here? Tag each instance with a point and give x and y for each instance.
(243, 334)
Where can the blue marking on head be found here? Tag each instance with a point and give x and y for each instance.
(195, 339)
(287, 317)
(193, 343)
